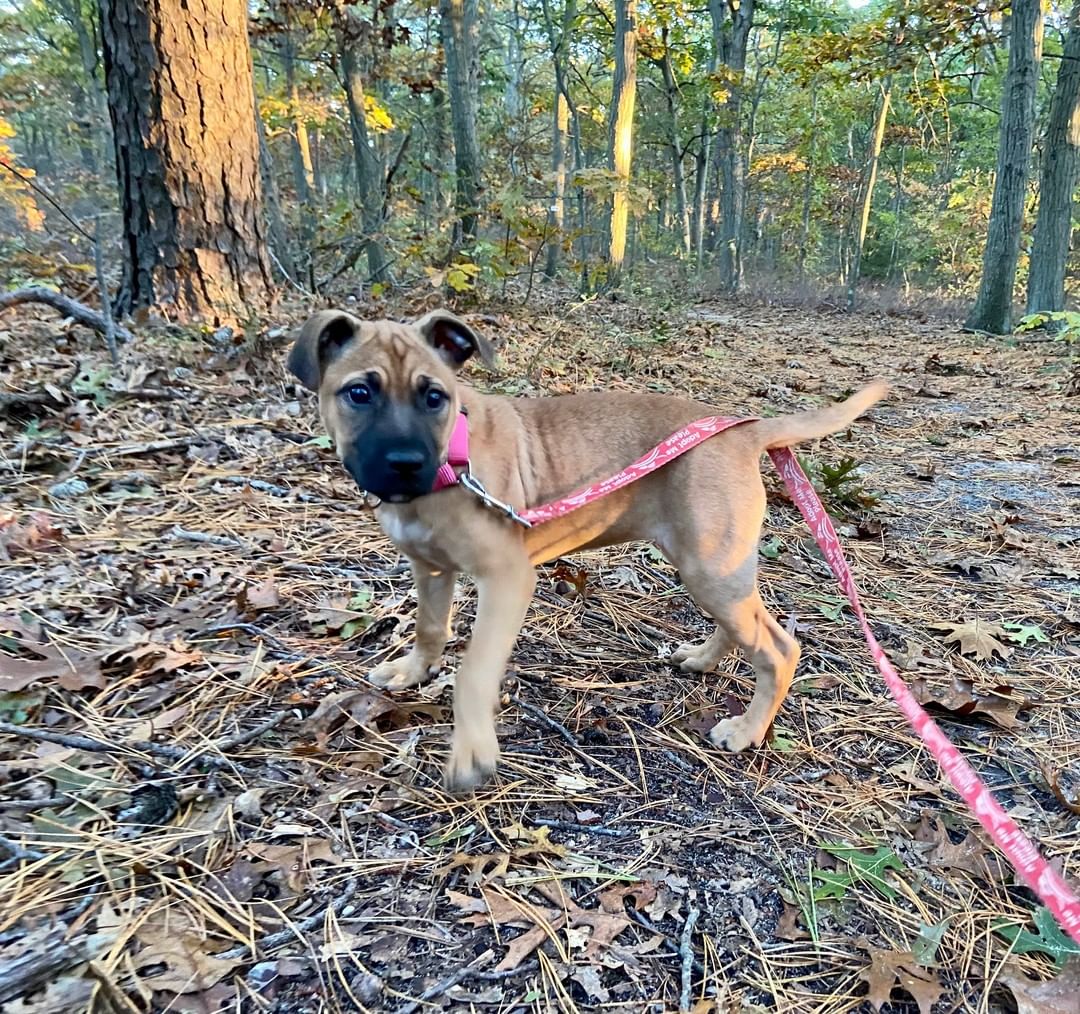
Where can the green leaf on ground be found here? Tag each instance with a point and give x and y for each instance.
(1050, 939)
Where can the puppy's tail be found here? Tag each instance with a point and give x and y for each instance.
(786, 430)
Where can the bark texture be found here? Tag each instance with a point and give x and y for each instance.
(370, 172)
(1057, 181)
(459, 37)
(993, 306)
(671, 98)
(621, 131)
(181, 101)
(731, 21)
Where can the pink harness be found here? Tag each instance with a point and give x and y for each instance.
(1024, 856)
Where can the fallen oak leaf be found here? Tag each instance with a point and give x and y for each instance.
(975, 637)
(189, 965)
(1055, 996)
(891, 969)
(1021, 633)
(961, 699)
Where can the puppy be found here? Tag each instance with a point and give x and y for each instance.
(389, 397)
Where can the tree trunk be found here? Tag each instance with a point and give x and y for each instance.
(303, 171)
(702, 161)
(1057, 182)
(370, 172)
(181, 100)
(459, 37)
(559, 45)
(993, 306)
(557, 212)
(808, 185)
(729, 40)
(671, 91)
(898, 211)
(277, 234)
(866, 194)
(621, 132)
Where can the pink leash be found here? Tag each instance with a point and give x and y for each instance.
(1026, 859)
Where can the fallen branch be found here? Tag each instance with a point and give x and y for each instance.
(47, 959)
(459, 975)
(11, 400)
(77, 311)
(686, 952)
(291, 933)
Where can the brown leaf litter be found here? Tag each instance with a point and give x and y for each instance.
(194, 770)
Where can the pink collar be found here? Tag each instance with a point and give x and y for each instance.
(456, 455)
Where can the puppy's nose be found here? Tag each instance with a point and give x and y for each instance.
(405, 463)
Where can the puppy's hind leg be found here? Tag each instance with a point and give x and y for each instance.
(704, 657)
(773, 653)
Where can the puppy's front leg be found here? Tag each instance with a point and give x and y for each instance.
(502, 599)
(434, 596)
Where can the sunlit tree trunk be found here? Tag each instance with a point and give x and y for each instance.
(993, 306)
(1057, 181)
(181, 100)
(866, 192)
(459, 35)
(621, 132)
(557, 213)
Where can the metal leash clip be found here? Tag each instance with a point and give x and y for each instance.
(476, 487)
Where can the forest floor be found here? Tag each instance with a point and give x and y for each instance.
(204, 806)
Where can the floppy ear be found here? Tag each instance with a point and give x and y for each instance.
(453, 339)
(320, 339)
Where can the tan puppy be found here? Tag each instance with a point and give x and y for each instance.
(389, 397)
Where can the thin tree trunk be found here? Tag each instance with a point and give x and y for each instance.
(277, 233)
(559, 46)
(1057, 182)
(808, 186)
(866, 195)
(671, 92)
(898, 208)
(181, 100)
(459, 36)
(621, 133)
(370, 172)
(303, 170)
(702, 161)
(993, 306)
(557, 212)
(729, 40)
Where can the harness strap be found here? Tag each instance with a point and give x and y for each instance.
(457, 455)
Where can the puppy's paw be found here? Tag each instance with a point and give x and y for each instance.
(734, 735)
(691, 657)
(402, 673)
(474, 757)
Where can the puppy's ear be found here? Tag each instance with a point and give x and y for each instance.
(320, 339)
(453, 339)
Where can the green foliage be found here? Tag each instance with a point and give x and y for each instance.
(1049, 938)
(1062, 324)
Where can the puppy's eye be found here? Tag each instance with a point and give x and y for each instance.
(434, 398)
(358, 394)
